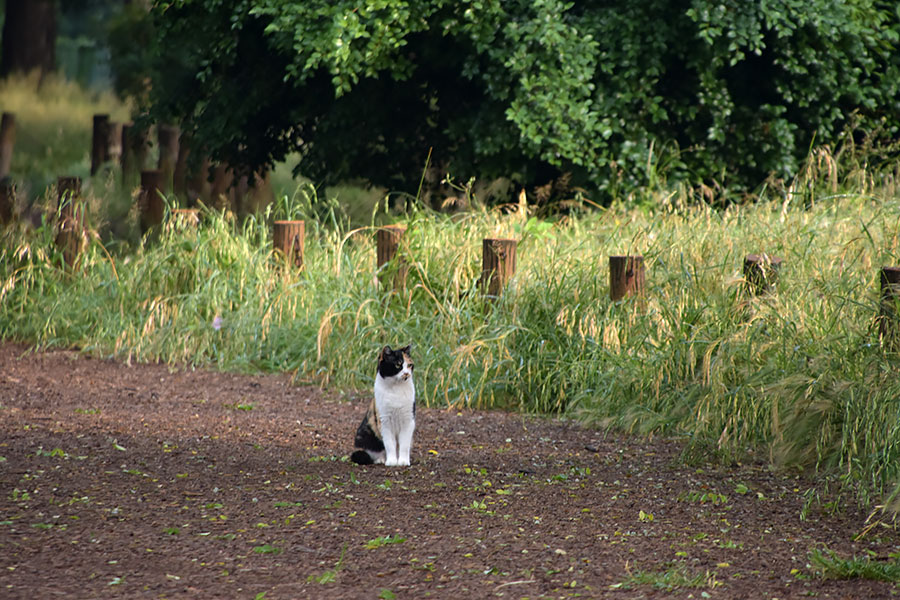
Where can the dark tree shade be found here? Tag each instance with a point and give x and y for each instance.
(617, 94)
(29, 37)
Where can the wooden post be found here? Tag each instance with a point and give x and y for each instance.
(288, 238)
(7, 200)
(99, 143)
(761, 272)
(114, 142)
(7, 142)
(626, 276)
(889, 319)
(135, 147)
(150, 202)
(167, 136)
(498, 265)
(387, 243)
(70, 237)
(68, 195)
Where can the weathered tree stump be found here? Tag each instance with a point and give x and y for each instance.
(71, 237)
(7, 142)
(7, 200)
(387, 245)
(626, 276)
(167, 136)
(889, 319)
(99, 143)
(151, 205)
(498, 265)
(761, 272)
(288, 238)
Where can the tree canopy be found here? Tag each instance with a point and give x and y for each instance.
(609, 91)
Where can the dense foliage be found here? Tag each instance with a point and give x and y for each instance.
(615, 92)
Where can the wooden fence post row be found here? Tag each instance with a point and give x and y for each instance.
(125, 145)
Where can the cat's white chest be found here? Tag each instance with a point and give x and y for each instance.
(395, 401)
(392, 396)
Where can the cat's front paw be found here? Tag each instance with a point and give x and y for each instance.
(403, 462)
(391, 462)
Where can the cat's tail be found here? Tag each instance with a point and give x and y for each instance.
(361, 457)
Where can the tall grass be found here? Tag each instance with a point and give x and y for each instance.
(53, 127)
(799, 374)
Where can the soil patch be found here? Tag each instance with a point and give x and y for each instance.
(146, 481)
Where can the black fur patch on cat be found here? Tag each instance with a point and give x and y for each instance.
(390, 362)
(368, 437)
(361, 457)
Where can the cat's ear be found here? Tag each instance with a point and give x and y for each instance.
(406, 350)
(384, 351)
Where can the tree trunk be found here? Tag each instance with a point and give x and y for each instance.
(29, 37)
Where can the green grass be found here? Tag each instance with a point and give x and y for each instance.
(828, 565)
(674, 578)
(54, 119)
(800, 373)
(799, 376)
(385, 540)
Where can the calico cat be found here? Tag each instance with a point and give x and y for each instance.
(385, 434)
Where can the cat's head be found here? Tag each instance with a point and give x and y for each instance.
(395, 363)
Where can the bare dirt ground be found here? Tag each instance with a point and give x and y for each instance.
(144, 481)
